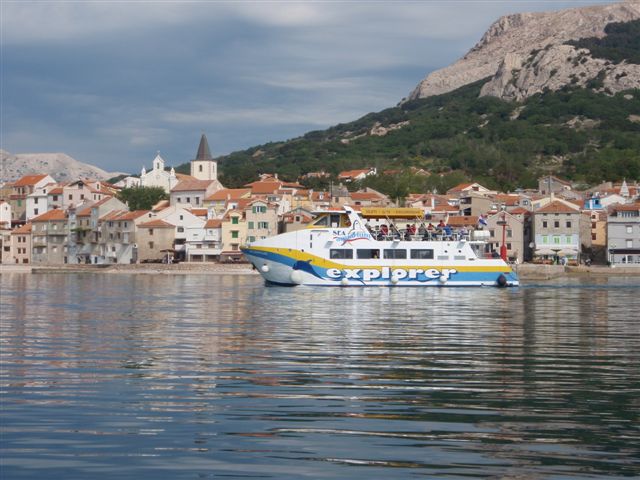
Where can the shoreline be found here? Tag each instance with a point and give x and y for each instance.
(526, 271)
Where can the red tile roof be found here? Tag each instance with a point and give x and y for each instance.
(191, 184)
(29, 180)
(229, 193)
(51, 215)
(26, 228)
(156, 224)
(213, 223)
(135, 214)
(557, 207)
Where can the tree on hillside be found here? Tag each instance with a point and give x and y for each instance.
(142, 198)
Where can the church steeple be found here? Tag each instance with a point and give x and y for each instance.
(204, 167)
(204, 153)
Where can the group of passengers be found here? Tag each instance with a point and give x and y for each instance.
(441, 231)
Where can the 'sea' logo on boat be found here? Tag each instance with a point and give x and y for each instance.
(352, 235)
(387, 273)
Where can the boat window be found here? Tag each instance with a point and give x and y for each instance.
(368, 253)
(322, 221)
(422, 254)
(395, 253)
(335, 220)
(337, 253)
(459, 257)
(443, 257)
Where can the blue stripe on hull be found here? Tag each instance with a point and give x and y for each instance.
(281, 270)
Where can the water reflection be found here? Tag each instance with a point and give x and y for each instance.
(202, 376)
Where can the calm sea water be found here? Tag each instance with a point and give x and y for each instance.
(195, 377)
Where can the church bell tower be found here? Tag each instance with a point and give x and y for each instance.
(204, 167)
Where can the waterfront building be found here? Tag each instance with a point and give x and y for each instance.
(20, 189)
(5, 243)
(262, 220)
(50, 232)
(204, 244)
(158, 176)
(623, 235)
(558, 230)
(517, 233)
(127, 182)
(21, 244)
(184, 222)
(234, 234)
(155, 240)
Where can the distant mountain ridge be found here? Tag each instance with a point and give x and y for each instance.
(508, 44)
(60, 166)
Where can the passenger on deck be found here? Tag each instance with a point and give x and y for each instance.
(384, 231)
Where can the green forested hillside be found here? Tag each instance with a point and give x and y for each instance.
(575, 133)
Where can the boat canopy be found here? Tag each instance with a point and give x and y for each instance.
(377, 212)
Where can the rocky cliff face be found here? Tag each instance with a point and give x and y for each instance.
(60, 166)
(504, 53)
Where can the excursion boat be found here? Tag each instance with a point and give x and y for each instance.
(340, 248)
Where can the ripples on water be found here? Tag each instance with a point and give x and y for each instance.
(135, 376)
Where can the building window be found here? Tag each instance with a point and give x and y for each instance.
(629, 243)
(544, 224)
(568, 224)
(35, 200)
(252, 239)
(250, 225)
(151, 231)
(545, 239)
(556, 224)
(188, 199)
(594, 236)
(629, 229)
(180, 229)
(82, 196)
(199, 168)
(234, 220)
(71, 196)
(509, 233)
(234, 234)
(263, 225)
(151, 245)
(35, 211)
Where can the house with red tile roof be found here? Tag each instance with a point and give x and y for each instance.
(50, 232)
(191, 193)
(155, 240)
(20, 189)
(560, 230)
(469, 187)
(349, 176)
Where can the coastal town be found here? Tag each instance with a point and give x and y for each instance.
(44, 222)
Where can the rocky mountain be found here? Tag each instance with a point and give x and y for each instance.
(60, 166)
(526, 53)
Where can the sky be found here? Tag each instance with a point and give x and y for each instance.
(113, 82)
